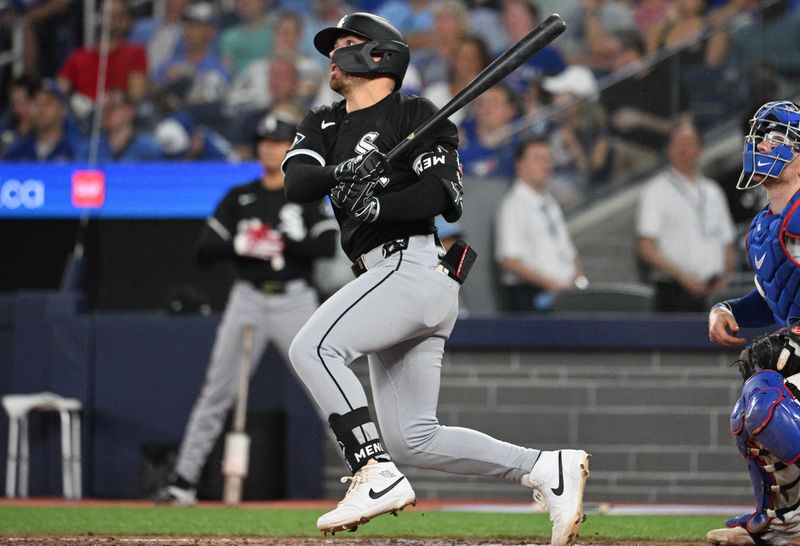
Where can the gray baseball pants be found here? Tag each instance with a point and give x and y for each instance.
(275, 318)
(399, 312)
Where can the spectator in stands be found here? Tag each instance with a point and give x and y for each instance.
(255, 86)
(533, 248)
(49, 140)
(481, 149)
(413, 18)
(682, 28)
(281, 86)
(180, 138)
(589, 37)
(251, 39)
(471, 56)
(519, 18)
(196, 77)
(642, 107)
(450, 20)
(161, 36)
(579, 142)
(650, 14)
(50, 29)
(119, 140)
(486, 22)
(17, 120)
(684, 229)
(127, 63)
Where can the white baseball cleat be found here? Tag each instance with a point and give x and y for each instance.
(176, 496)
(560, 477)
(730, 536)
(377, 488)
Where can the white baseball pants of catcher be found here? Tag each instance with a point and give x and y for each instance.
(399, 312)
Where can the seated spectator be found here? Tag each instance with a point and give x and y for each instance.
(17, 119)
(127, 63)
(450, 20)
(249, 40)
(48, 140)
(579, 142)
(684, 26)
(480, 148)
(413, 18)
(471, 56)
(195, 76)
(685, 234)
(486, 22)
(533, 248)
(519, 18)
(255, 86)
(50, 30)
(650, 14)
(641, 108)
(161, 36)
(119, 141)
(181, 139)
(588, 39)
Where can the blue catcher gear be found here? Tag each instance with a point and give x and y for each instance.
(766, 424)
(778, 123)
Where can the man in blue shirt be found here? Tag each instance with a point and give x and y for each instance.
(49, 141)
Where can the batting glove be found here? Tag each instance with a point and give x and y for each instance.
(256, 240)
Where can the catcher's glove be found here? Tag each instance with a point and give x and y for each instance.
(779, 351)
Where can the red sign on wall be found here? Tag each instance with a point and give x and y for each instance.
(88, 189)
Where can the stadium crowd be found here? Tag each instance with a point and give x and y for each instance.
(190, 82)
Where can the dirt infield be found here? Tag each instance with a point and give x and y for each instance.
(250, 541)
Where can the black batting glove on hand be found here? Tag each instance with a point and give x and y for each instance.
(368, 211)
(357, 178)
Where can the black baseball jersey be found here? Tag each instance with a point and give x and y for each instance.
(330, 135)
(308, 232)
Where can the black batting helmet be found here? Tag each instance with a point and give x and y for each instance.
(275, 126)
(383, 40)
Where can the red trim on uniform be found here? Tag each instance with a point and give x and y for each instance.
(783, 231)
(766, 421)
(461, 261)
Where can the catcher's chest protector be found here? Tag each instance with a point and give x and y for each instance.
(777, 275)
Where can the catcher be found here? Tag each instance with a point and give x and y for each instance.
(766, 419)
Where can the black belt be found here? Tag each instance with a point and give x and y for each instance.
(270, 287)
(359, 267)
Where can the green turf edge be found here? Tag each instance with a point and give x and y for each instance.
(208, 521)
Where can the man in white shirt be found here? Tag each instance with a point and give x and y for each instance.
(684, 229)
(533, 248)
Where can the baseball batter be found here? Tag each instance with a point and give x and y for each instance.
(402, 305)
(273, 244)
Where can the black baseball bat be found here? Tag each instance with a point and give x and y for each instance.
(550, 29)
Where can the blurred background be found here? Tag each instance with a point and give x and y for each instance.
(123, 124)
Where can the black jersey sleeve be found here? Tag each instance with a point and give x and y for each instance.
(436, 155)
(308, 141)
(215, 241)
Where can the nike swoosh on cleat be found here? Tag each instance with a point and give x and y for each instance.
(560, 489)
(378, 494)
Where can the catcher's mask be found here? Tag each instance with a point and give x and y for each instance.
(384, 41)
(778, 123)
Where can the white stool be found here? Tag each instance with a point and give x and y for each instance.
(18, 406)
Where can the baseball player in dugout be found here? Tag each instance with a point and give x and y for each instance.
(402, 305)
(273, 244)
(765, 421)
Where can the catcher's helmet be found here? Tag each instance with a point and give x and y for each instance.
(778, 122)
(383, 40)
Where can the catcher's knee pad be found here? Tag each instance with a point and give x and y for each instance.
(768, 414)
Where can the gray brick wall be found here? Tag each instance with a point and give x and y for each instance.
(655, 422)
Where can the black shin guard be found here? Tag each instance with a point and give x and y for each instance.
(356, 453)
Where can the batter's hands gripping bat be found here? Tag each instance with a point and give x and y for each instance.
(550, 29)
(237, 442)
